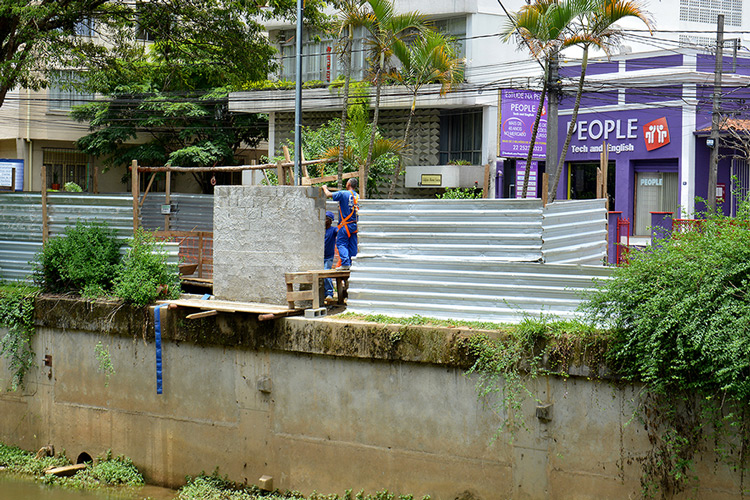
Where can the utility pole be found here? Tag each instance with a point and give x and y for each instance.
(298, 100)
(553, 99)
(716, 114)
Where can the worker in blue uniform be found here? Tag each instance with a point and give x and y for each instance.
(348, 201)
(329, 246)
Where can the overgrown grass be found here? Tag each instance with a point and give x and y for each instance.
(215, 487)
(106, 471)
(17, 315)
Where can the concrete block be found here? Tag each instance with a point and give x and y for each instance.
(315, 313)
(265, 483)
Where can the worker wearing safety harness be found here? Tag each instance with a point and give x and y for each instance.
(348, 201)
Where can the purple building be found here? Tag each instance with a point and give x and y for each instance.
(653, 114)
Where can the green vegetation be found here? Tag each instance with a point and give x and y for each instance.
(679, 315)
(460, 194)
(84, 259)
(107, 471)
(144, 275)
(214, 487)
(17, 315)
(422, 320)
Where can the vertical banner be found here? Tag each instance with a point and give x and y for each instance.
(533, 178)
(517, 114)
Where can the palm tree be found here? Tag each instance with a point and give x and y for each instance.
(351, 15)
(543, 27)
(430, 58)
(359, 147)
(384, 26)
(595, 27)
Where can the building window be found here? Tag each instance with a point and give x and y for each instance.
(319, 59)
(63, 95)
(66, 165)
(461, 137)
(705, 11)
(582, 181)
(456, 28)
(85, 27)
(654, 192)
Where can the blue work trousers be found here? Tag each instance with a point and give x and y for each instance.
(328, 282)
(347, 245)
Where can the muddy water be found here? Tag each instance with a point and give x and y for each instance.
(15, 488)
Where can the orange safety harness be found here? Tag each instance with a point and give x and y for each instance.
(345, 221)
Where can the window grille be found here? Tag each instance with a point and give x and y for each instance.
(705, 11)
(461, 137)
(66, 165)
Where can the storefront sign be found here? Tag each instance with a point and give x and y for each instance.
(517, 114)
(533, 178)
(6, 173)
(641, 133)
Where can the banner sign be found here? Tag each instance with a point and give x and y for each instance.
(533, 178)
(517, 114)
(6, 171)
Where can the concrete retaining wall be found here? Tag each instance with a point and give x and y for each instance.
(262, 232)
(321, 405)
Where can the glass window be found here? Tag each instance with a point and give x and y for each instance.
(582, 181)
(62, 93)
(654, 192)
(461, 137)
(66, 165)
(319, 58)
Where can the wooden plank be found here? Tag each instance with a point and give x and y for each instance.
(148, 188)
(316, 290)
(65, 471)
(280, 175)
(230, 168)
(226, 306)
(282, 314)
(297, 278)
(328, 178)
(299, 295)
(203, 314)
(545, 188)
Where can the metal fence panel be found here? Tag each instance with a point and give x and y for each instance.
(575, 232)
(21, 223)
(477, 260)
(195, 212)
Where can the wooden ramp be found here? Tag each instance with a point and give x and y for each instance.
(212, 307)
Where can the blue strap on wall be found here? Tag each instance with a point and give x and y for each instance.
(157, 330)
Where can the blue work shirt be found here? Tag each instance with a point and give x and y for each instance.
(330, 242)
(345, 200)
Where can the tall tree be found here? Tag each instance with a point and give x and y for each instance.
(384, 26)
(543, 27)
(430, 58)
(38, 37)
(595, 26)
(351, 16)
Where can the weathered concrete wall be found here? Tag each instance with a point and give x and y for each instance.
(262, 232)
(343, 405)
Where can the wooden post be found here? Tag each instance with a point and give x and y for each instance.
(545, 188)
(486, 182)
(45, 223)
(13, 180)
(200, 254)
(362, 182)
(168, 200)
(134, 191)
(287, 159)
(96, 180)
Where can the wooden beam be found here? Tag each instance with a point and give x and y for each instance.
(545, 187)
(167, 200)
(486, 182)
(202, 314)
(328, 178)
(230, 168)
(148, 188)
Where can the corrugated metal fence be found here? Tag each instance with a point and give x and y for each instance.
(21, 224)
(481, 260)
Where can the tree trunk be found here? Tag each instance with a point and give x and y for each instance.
(571, 126)
(534, 131)
(344, 112)
(394, 180)
(374, 127)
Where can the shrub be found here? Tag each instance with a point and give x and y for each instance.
(17, 315)
(460, 193)
(86, 256)
(144, 275)
(680, 312)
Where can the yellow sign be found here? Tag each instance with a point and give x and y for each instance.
(432, 180)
